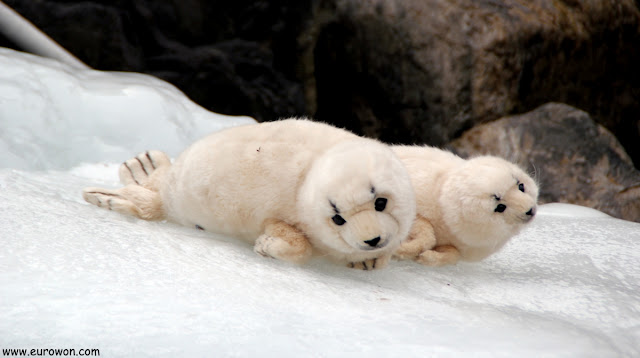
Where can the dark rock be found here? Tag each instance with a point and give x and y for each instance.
(426, 70)
(574, 159)
(234, 77)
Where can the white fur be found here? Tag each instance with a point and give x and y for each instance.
(456, 203)
(274, 184)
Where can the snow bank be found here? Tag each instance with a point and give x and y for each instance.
(76, 276)
(53, 116)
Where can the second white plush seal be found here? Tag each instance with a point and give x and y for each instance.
(466, 209)
(291, 187)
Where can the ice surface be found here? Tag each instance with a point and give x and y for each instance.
(76, 276)
(53, 116)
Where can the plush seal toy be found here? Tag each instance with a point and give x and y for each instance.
(291, 187)
(466, 209)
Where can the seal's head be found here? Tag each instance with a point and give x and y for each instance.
(357, 201)
(485, 202)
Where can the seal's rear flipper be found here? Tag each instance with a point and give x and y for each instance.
(137, 170)
(132, 200)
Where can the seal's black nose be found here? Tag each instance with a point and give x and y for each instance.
(373, 242)
(531, 212)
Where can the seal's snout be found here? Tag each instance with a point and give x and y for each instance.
(368, 230)
(373, 242)
(531, 213)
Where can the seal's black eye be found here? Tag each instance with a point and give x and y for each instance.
(380, 204)
(521, 187)
(338, 220)
(500, 208)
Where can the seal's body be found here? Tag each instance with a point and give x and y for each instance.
(287, 186)
(466, 209)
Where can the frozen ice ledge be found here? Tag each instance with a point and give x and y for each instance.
(53, 116)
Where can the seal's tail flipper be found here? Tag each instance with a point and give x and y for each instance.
(131, 200)
(136, 171)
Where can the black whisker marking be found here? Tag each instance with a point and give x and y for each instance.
(333, 205)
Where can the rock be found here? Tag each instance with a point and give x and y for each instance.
(234, 77)
(426, 70)
(574, 159)
(231, 57)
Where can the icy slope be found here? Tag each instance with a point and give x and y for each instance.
(73, 275)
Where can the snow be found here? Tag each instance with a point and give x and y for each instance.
(76, 276)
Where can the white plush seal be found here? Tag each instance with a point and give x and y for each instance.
(466, 209)
(287, 186)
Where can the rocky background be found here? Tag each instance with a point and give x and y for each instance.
(551, 84)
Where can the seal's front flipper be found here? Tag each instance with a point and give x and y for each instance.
(283, 242)
(421, 238)
(138, 170)
(131, 200)
(371, 264)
